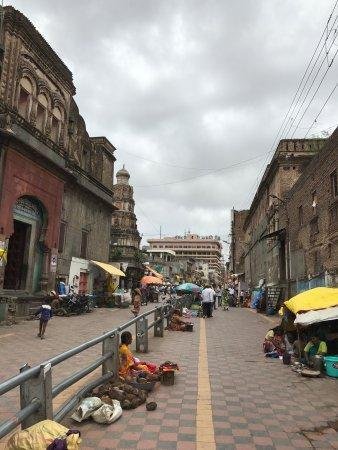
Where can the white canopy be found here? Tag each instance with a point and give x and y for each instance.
(320, 315)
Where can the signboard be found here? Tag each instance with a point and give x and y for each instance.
(53, 262)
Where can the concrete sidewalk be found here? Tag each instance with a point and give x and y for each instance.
(226, 396)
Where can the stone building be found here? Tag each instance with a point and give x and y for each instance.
(312, 212)
(163, 261)
(55, 180)
(207, 249)
(124, 237)
(237, 247)
(266, 253)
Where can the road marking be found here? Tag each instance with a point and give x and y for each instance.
(205, 437)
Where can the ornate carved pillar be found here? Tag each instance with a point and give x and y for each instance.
(45, 266)
(48, 127)
(33, 112)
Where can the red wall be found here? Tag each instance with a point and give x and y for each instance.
(24, 177)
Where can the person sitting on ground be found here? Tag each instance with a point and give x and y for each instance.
(137, 300)
(274, 344)
(176, 323)
(298, 346)
(314, 348)
(131, 367)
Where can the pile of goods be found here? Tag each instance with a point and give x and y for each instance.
(129, 396)
(98, 410)
(46, 434)
(167, 373)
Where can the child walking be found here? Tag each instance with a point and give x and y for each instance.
(46, 314)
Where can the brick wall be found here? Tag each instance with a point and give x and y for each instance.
(264, 258)
(313, 230)
(238, 239)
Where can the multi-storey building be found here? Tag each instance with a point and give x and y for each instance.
(266, 253)
(201, 248)
(311, 210)
(56, 181)
(163, 261)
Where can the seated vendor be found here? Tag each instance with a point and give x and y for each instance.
(298, 346)
(129, 365)
(274, 344)
(313, 349)
(176, 323)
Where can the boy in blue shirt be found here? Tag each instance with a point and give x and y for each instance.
(46, 314)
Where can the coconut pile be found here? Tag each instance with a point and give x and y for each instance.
(129, 396)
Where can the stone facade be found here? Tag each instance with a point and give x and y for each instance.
(265, 239)
(56, 181)
(124, 237)
(312, 210)
(237, 244)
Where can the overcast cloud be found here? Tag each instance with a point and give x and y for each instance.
(198, 84)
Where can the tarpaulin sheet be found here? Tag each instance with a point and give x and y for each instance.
(313, 299)
(321, 315)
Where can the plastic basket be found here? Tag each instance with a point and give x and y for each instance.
(331, 365)
(168, 378)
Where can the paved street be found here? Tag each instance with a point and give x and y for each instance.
(238, 398)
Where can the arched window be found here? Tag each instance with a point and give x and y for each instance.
(41, 112)
(56, 124)
(24, 104)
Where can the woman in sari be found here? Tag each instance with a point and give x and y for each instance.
(274, 344)
(129, 365)
(176, 323)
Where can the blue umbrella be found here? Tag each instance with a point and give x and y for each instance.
(188, 287)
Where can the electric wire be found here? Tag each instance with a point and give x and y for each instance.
(203, 175)
(293, 105)
(293, 117)
(321, 109)
(166, 163)
(315, 93)
(280, 132)
(137, 205)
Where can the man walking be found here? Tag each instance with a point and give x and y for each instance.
(207, 301)
(218, 295)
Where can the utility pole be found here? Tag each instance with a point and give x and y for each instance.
(160, 231)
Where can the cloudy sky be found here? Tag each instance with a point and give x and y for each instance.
(184, 87)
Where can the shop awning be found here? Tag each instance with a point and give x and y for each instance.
(153, 271)
(109, 268)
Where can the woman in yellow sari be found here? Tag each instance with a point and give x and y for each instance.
(129, 366)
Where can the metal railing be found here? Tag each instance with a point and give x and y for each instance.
(36, 388)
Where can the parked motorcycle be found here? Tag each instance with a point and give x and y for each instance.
(74, 304)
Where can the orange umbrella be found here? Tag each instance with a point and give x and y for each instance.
(151, 280)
